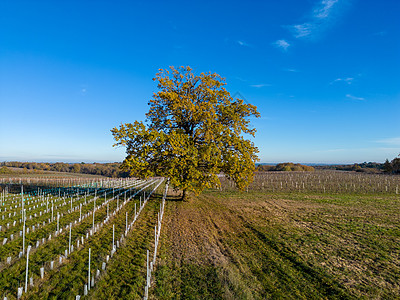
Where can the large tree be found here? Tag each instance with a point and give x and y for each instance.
(194, 131)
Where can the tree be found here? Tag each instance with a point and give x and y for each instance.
(5, 170)
(387, 167)
(76, 168)
(396, 165)
(194, 132)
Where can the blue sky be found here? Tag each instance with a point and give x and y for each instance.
(324, 74)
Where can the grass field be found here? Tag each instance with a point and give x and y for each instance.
(260, 245)
(290, 236)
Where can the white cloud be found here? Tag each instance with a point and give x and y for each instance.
(354, 97)
(83, 89)
(302, 30)
(317, 21)
(244, 44)
(241, 79)
(291, 70)
(324, 9)
(348, 80)
(284, 45)
(260, 85)
(390, 141)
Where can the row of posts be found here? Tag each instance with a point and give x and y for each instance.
(157, 231)
(70, 249)
(114, 245)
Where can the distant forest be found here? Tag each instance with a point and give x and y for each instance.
(113, 169)
(285, 167)
(389, 167)
(365, 167)
(106, 169)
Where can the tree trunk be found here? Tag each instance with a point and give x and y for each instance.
(185, 195)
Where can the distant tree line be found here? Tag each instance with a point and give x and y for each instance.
(365, 167)
(392, 167)
(389, 167)
(285, 167)
(105, 169)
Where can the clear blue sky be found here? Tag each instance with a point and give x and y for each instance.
(324, 74)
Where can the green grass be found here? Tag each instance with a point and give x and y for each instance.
(230, 245)
(258, 245)
(68, 280)
(125, 275)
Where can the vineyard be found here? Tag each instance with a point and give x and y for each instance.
(337, 182)
(60, 236)
(290, 234)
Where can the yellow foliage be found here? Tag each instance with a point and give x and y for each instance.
(195, 132)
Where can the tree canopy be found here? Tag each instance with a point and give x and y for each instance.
(194, 131)
(393, 166)
(285, 167)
